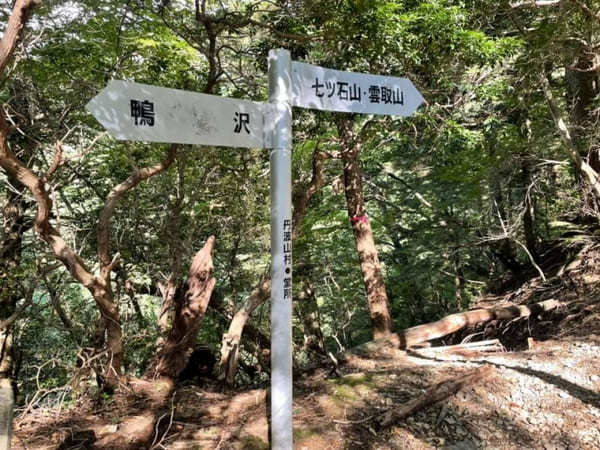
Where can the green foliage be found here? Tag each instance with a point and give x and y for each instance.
(445, 189)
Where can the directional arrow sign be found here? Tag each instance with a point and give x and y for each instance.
(333, 90)
(133, 111)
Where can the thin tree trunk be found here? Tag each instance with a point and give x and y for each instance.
(582, 168)
(230, 343)
(529, 214)
(377, 298)
(309, 313)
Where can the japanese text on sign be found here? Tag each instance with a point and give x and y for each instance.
(353, 93)
(241, 121)
(142, 112)
(287, 258)
(317, 87)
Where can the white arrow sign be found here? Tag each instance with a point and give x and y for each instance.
(140, 112)
(334, 90)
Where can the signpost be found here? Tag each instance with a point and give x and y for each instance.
(140, 112)
(333, 90)
(281, 251)
(133, 111)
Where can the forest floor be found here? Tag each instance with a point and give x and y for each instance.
(542, 391)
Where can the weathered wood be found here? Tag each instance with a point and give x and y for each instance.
(439, 392)
(6, 412)
(490, 345)
(191, 302)
(471, 349)
(455, 322)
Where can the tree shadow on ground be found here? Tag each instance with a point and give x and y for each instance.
(585, 395)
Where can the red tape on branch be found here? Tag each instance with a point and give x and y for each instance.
(359, 219)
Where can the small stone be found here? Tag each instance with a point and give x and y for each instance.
(450, 420)
(462, 445)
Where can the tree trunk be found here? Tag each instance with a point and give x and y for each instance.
(365, 244)
(111, 339)
(309, 313)
(191, 301)
(582, 168)
(529, 213)
(230, 344)
(13, 228)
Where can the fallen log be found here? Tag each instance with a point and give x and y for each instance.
(419, 335)
(455, 322)
(439, 392)
(467, 349)
(479, 345)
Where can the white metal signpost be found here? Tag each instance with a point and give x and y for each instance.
(133, 111)
(140, 112)
(333, 90)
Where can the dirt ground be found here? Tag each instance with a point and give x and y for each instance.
(544, 398)
(543, 393)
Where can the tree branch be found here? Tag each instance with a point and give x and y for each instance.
(580, 165)
(12, 33)
(112, 200)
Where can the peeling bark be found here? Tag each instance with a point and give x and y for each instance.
(377, 298)
(191, 301)
(158, 384)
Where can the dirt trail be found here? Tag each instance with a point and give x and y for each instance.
(544, 398)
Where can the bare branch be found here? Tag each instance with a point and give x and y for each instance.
(538, 4)
(56, 162)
